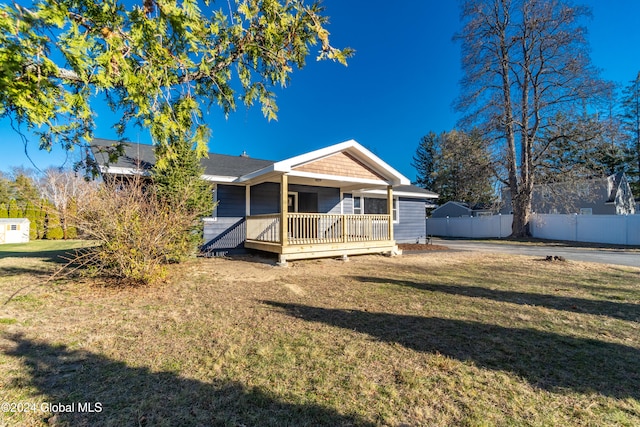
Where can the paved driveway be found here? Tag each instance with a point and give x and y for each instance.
(603, 256)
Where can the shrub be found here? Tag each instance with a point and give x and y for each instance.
(52, 225)
(137, 233)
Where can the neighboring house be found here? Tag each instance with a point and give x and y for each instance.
(336, 201)
(601, 196)
(459, 209)
(14, 230)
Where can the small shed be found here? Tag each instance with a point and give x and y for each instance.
(14, 230)
(453, 210)
(459, 209)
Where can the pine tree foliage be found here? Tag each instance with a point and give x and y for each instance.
(32, 214)
(52, 224)
(153, 62)
(424, 161)
(14, 210)
(580, 147)
(178, 184)
(457, 166)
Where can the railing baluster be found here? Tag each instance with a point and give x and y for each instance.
(314, 228)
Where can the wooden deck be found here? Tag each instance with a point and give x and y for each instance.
(315, 235)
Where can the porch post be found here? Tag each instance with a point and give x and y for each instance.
(390, 209)
(284, 206)
(247, 200)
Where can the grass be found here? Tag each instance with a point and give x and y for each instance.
(532, 241)
(443, 338)
(51, 249)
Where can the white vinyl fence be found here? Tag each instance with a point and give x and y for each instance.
(613, 229)
(477, 227)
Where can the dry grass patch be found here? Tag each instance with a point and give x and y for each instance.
(433, 339)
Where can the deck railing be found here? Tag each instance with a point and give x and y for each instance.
(264, 228)
(317, 228)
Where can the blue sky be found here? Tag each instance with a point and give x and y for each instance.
(399, 86)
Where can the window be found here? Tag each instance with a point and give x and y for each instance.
(395, 210)
(14, 227)
(374, 206)
(586, 211)
(357, 205)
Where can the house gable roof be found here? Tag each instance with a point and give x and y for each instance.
(321, 164)
(463, 207)
(615, 181)
(347, 160)
(141, 157)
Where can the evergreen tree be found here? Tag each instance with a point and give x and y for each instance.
(4, 210)
(52, 225)
(142, 56)
(70, 231)
(14, 210)
(25, 189)
(178, 172)
(31, 213)
(580, 148)
(457, 166)
(5, 189)
(178, 182)
(425, 161)
(41, 217)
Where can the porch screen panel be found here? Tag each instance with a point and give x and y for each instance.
(375, 206)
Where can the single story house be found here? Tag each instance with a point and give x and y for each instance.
(453, 209)
(336, 201)
(14, 230)
(609, 195)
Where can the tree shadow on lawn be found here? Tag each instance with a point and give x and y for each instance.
(54, 255)
(138, 396)
(546, 360)
(618, 310)
(15, 271)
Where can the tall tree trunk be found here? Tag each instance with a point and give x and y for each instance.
(520, 211)
(637, 127)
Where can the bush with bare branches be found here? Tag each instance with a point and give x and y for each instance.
(137, 233)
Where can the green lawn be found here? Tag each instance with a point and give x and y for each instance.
(41, 248)
(444, 338)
